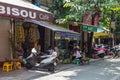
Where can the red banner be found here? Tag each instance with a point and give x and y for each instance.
(96, 20)
(87, 17)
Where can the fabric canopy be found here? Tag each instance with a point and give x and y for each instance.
(59, 31)
(101, 34)
(23, 10)
(23, 3)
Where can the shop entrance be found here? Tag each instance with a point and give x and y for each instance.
(42, 37)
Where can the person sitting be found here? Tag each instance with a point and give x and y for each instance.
(84, 58)
(38, 48)
(50, 50)
(54, 53)
(78, 53)
(33, 52)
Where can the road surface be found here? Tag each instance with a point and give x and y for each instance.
(108, 69)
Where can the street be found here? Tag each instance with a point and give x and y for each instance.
(51, 39)
(108, 69)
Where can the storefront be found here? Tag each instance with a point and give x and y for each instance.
(12, 15)
(55, 36)
(54, 32)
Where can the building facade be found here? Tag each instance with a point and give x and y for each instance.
(13, 13)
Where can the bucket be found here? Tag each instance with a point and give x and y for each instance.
(77, 61)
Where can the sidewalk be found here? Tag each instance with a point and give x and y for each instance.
(24, 74)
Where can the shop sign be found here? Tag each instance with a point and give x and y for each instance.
(89, 28)
(67, 35)
(8, 10)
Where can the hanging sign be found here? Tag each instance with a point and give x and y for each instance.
(64, 35)
(89, 28)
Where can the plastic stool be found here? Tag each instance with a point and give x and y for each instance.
(17, 65)
(7, 67)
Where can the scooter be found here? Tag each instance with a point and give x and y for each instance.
(115, 51)
(48, 61)
(101, 53)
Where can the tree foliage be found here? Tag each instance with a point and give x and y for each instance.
(58, 10)
(72, 11)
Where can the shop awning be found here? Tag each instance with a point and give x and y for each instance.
(100, 34)
(60, 32)
(23, 9)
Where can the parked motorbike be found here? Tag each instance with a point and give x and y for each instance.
(115, 51)
(45, 61)
(100, 51)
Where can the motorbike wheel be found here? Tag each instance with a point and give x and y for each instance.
(101, 55)
(28, 66)
(118, 54)
(52, 68)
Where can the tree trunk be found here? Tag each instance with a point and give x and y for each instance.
(90, 37)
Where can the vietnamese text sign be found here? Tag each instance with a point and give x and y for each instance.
(89, 28)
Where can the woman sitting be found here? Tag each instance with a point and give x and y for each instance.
(77, 55)
(84, 58)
